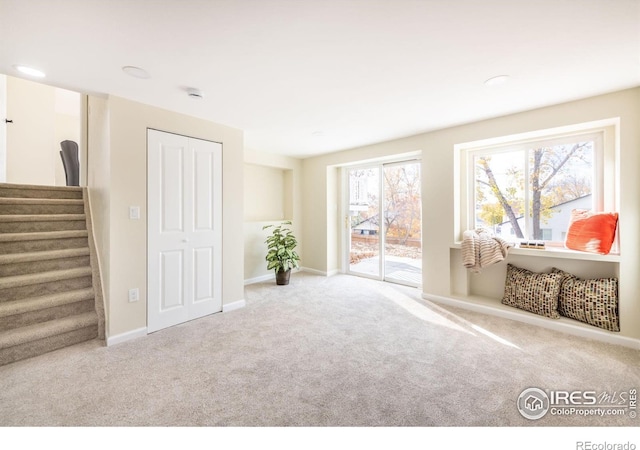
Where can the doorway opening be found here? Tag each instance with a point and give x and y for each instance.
(385, 222)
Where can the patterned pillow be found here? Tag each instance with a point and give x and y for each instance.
(533, 292)
(593, 301)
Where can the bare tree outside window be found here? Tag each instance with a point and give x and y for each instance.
(547, 175)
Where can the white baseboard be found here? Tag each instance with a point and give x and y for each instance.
(564, 325)
(271, 276)
(234, 305)
(320, 272)
(119, 338)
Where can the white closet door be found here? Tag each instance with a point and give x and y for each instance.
(184, 229)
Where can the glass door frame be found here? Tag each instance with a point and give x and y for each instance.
(346, 235)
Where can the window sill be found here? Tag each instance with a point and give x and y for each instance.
(557, 252)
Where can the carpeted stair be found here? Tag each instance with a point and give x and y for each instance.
(50, 294)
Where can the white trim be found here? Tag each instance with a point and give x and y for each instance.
(320, 272)
(238, 304)
(556, 252)
(563, 324)
(127, 336)
(535, 135)
(398, 157)
(260, 279)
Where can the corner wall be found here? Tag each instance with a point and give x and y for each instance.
(288, 186)
(438, 192)
(99, 177)
(125, 257)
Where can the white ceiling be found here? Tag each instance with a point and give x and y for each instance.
(356, 71)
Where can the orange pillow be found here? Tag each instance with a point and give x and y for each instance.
(591, 232)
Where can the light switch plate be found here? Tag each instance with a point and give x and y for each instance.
(134, 212)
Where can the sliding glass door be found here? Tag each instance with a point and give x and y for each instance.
(385, 222)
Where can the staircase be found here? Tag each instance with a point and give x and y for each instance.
(50, 292)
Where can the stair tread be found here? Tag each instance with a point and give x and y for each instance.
(13, 258)
(39, 187)
(40, 201)
(44, 277)
(23, 335)
(41, 217)
(42, 235)
(46, 301)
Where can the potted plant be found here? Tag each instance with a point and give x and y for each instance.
(281, 255)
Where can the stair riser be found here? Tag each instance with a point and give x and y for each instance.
(11, 192)
(37, 290)
(43, 315)
(42, 245)
(7, 270)
(42, 209)
(39, 347)
(29, 227)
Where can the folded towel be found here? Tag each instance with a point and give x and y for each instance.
(481, 249)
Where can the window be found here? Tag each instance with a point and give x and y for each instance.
(525, 187)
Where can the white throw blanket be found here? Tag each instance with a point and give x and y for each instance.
(481, 249)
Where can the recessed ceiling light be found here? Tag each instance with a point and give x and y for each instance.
(195, 93)
(136, 72)
(29, 71)
(497, 81)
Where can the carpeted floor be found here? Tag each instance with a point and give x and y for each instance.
(338, 351)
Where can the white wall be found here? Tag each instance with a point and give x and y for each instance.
(3, 128)
(43, 116)
(66, 127)
(264, 193)
(441, 263)
(123, 183)
(30, 138)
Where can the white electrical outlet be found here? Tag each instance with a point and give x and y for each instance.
(134, 295)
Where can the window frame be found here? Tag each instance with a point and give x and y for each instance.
(605, 195)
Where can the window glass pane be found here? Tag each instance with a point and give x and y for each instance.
(402, 223)
(364, 214)
(499, 192)
(560, 179)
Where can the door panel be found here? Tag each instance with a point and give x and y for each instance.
(203, 284)
(402, 212)
(364, 218)
(204, 169)
(184, 229)
(171, 279)
(171, 184)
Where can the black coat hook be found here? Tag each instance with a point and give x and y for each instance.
(8, 121)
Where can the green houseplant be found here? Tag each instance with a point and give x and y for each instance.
(281, 255)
